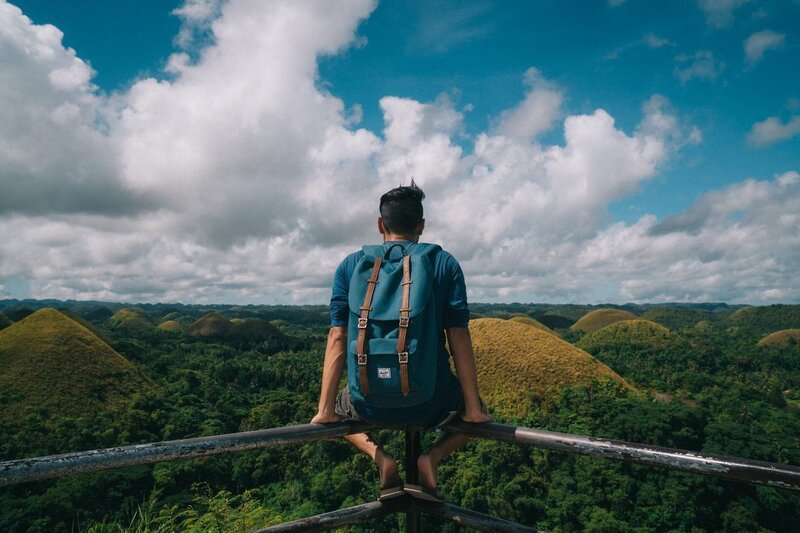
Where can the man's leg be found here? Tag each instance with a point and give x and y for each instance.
(387, 466)
(444, 446)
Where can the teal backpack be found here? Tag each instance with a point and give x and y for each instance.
(392, 337)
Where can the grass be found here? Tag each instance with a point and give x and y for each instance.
(55, 366)
(601, 318)
(517, 362)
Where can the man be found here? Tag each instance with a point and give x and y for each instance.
(401, 223)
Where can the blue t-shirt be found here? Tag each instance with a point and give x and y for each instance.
(450, 298)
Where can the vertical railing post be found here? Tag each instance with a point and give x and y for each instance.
(413, 522)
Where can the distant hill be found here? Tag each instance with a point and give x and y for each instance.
(676, 318)
(131, 319)
(516, 361)
(783, 338)
(169, 325)
(51, 364)
(760, 321)
(600, 318)
(628, 332)
(216, 325)
(528, 321)
(211, 325)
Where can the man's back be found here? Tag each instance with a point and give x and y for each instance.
(450, 310)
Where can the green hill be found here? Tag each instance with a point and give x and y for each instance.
(600, 318)
(783, 338)
(674, 318)
(51, 364)
(628, 332)
(131, 319)
(528, 321)
(516, 362)
(760, 321)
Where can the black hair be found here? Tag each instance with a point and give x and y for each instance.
(401, 209)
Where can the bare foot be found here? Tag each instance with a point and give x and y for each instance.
(427, 471)
(387, 467)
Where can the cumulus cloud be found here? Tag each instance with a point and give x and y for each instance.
(719, 13)
(229, 183)
(741, 242)
(55, 155)
(701, 65)
(772, 130)
(536, 113)
(758, 43)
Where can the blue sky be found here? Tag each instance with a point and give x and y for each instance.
(702, 95)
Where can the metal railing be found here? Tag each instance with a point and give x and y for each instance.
(774, 475)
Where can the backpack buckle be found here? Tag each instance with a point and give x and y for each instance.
(362, 359)
(404, 321)
(362, 323)
(402, 358)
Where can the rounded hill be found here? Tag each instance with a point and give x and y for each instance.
(216, 325)
(528, 321)
(517, 362)
(131, 319)
(784, 338)
(637, 332)
(600, 318)
(211, 325)
(169, 325)
(51, 364)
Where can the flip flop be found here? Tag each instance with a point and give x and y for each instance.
(424, 493)
(396, 490)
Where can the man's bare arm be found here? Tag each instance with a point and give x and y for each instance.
(333, 366)
(460, 343)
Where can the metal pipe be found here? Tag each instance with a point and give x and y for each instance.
(468, 518)
(22, 470)
(341, 517)
(780, 476)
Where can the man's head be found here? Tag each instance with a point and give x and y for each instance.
(401, 211)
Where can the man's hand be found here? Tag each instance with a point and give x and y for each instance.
(477, 417)
(322, 418)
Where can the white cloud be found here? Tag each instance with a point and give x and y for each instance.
(719, 13)
(700, 65)
(536, 113)
(772, 130)
(758, 43)
(654, 41)
(740, 243)
(242, 180)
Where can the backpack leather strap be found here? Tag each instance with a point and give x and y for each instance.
(361, 348)
(402, 348)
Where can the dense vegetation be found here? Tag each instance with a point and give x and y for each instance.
(707, 386)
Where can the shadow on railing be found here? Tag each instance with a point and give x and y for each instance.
(775, 475)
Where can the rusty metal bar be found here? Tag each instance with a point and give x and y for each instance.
(342, 517)
(468, 518)
(22, 470)
(776, 475)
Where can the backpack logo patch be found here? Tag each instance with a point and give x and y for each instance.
(384, 373)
